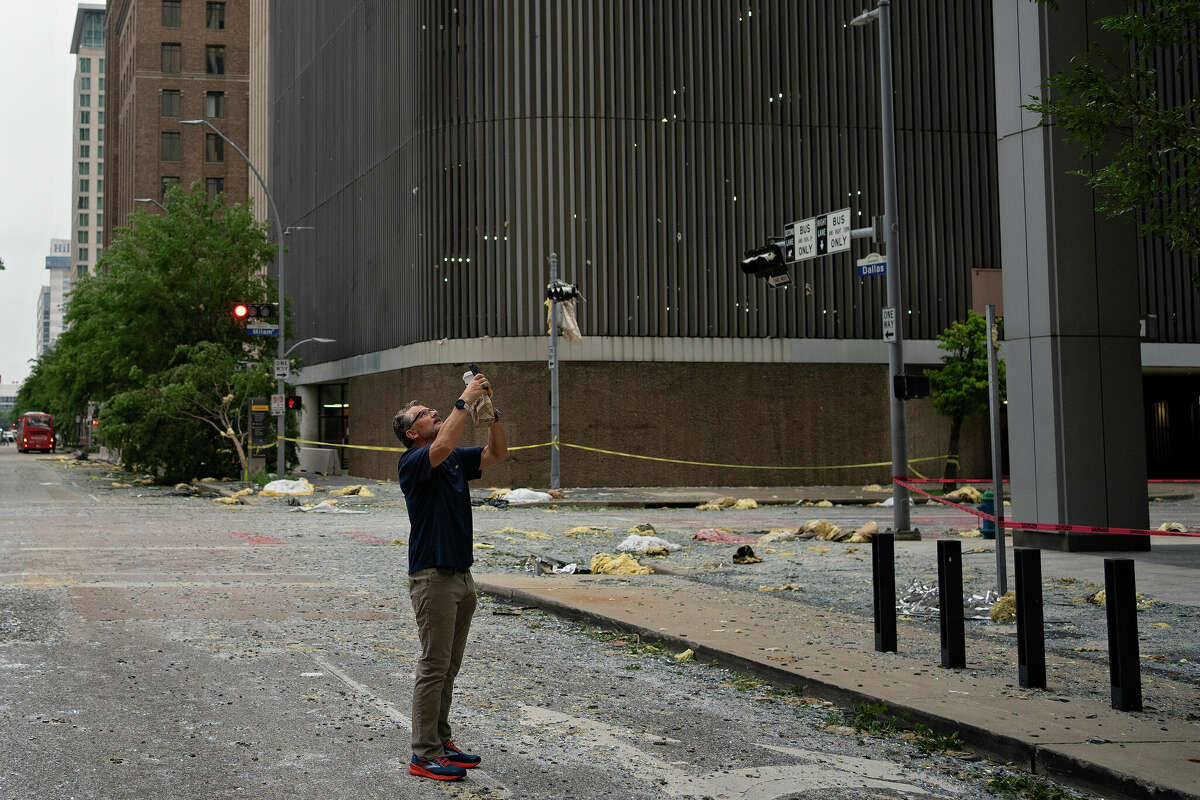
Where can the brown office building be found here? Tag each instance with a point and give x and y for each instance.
(170, 61)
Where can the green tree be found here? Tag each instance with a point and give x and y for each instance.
(163, 288)
(1144, 142)
(960, 386)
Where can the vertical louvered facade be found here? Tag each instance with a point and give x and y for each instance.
(441, 151)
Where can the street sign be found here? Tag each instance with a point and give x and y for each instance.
(278, 403)
(259, 428)
(889, 324)
(282, 368)
(837, 231)
(818, 236)
(874, 264)
(262, 330)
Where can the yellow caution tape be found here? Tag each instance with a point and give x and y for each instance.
(553, 443)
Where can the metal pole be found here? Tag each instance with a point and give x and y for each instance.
(280, 429)
(900, 520)
(554, 452)
(997, 461)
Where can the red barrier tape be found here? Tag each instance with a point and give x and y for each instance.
(1039, 526)
(1005, 480)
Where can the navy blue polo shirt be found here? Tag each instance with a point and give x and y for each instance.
(439, 507)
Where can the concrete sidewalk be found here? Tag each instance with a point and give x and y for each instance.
(1086, 743)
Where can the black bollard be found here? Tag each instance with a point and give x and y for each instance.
(1120, 601)
(950, 605)
(1031, 636)
(883, 579)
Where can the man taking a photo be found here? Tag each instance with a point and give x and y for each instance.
(433, 473)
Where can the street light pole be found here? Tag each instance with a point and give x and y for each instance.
(280, 430)
(149, 200)
(891, 224)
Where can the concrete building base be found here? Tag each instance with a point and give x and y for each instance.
(1081, 542)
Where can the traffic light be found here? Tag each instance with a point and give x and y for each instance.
(767, 262)
(293, 402)
(263, 311)
(561, 290)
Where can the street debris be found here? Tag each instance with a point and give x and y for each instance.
(357, 490)
(1174, 527)
(746, 555)
(325, 507)
(974, 534)
(229, 501)
(1004, 609)
(119, 485)
(686, 655)
(647, 545)
(922, 598)
(624, 564)
(823, 529)
(746, 503)
(525, 533)
(875, 487)
(964, 494)
(644, 529)
(864, 534)
(1098, 598)
(787, 587)
(779, 535)
(584, 530)
(557, 494)
(523, 496)
(722, 536)
(285, 488)
(717, 503)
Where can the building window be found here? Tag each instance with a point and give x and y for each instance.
(170, 102)
(172, 13)
(100, 117)
(99, 151)
(100, 168)
(83, 220)
(99, 224)
(82, 237)
(214, 187)
(85, 118)
(100, 82)
(100, 135)
(84, 134)
(100, 237)
(85, 151)
(170, 146)
(214, 148)
(85, 65)
(102, 66)
(82, 202)
(214, 17)
(172, 55)
(84, 167)
(85, 84)
(214, 104)
(99, 190)
(214, 59)
(84, 186)
(164, 185)
(83, 254)
(100, 101)
(85, 100)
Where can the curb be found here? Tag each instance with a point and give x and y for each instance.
(1037, 759)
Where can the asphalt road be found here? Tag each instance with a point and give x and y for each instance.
(168, 647)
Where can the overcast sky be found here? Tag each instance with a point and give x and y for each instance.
(36, 71)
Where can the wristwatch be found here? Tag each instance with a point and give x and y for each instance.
(460, 404)
(495, 413)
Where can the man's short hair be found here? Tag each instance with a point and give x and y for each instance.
(403, 421)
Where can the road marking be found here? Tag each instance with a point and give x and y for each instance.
(478, 777)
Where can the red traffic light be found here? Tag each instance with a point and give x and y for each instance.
(293, 402)
(241, 311)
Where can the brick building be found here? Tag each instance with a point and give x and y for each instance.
(170, 61)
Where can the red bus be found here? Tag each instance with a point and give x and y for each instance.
(35, 431)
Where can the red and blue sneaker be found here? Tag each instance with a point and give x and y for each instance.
(458, 758)
(439, 769)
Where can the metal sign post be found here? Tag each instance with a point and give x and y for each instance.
(997, 461)
(554, 453)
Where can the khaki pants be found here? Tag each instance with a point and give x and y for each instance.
(443, 603)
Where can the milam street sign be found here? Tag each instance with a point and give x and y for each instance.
(818, 236)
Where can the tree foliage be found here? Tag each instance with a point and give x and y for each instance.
(1142, 136)
(960, 387)
(151, 337)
